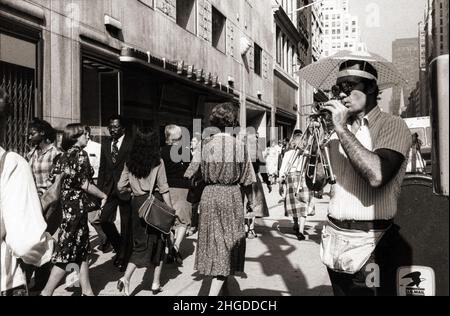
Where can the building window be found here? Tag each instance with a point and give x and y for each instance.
(218, 30)
(186, 15)
(258, 60)
(279, 45)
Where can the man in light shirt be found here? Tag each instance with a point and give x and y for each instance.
(22, 231)
(368, 154)
(94, 150)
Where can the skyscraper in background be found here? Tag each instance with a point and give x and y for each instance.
(341, 29)
(317, 31)
(405, 56)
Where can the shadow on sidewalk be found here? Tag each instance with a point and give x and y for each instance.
(169, 271)
(313, 232)
(232, 289)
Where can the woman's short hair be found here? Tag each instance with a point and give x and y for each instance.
(43, 127)
(173, 134)
(224, 116)
(145, 153)
(71, 134)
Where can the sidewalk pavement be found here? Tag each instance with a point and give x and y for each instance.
(277, 264)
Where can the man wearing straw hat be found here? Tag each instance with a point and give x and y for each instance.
(368, 153)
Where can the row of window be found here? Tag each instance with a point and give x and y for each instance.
(186, 17)
(286, 52)
(337, 31)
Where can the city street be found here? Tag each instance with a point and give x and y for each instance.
(277, 264)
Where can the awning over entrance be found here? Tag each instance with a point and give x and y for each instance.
(197, 79)
(159, 92)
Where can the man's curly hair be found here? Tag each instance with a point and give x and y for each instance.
(145, 153)
(224, 115)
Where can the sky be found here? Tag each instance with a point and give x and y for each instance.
(383, 21)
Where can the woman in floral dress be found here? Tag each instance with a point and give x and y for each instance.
(73, 238)
(225, 167)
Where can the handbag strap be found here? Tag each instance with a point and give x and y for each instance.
(152, 178)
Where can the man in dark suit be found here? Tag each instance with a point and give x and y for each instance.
(114, 154)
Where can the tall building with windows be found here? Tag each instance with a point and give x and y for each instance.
(317, 31)
(433, 42)
(341, 29)
(439, 12)
(405, 57)
(292, 45)
(153, 61)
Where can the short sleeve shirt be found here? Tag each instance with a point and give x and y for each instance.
(352, 198)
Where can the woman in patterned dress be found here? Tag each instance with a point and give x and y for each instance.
(73, 238)
(225, 167)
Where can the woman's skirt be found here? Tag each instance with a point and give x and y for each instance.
(221, 232)
(148, 243)
(182, 206)
(296, 205)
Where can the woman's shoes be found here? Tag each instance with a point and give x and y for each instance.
(123, 287)
(252, 234)
(301, 237)
(156, 290)
(177, 256)
(296, 229)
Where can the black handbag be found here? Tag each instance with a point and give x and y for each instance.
(196, 190)
(155, 212)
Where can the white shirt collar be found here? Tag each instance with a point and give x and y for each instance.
(119, 142)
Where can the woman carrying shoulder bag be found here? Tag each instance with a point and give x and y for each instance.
(143, 173)
(76, 188)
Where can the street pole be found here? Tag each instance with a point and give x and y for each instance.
(307, 6)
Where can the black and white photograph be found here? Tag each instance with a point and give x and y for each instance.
(240, 151)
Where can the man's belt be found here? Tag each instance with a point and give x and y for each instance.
(362, 225)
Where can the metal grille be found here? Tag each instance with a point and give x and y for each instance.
(19, 84)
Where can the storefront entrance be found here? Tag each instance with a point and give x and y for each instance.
(18, 69)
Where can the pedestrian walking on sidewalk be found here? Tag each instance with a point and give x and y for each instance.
(144, 168)
(23, 235)
(179, 187)
(225, 166)
(115, 152)
(196, 189)
(94, 150)
(73, 237)
(41, 158)
(296, 205)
